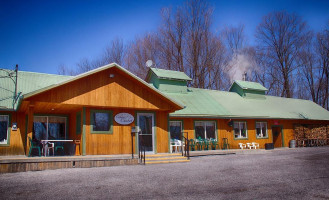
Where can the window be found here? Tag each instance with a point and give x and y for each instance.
(78, 123)
(240, 130)
(175, 130)
(205, 129)
(49, 127)
(4, 129)
(101, 121)
(261, 129)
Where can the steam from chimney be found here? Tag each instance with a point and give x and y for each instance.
(240, 66)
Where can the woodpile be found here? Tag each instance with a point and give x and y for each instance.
(311, 131)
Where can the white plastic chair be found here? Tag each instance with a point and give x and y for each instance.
(49, 145)
(255, 145)
(241, 145)
(249, 146)
(177, 144)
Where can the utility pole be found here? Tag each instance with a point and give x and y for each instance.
(15, 93)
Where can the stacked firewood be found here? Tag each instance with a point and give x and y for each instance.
(311, 131)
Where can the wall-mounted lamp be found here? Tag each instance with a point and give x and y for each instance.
(111, 75)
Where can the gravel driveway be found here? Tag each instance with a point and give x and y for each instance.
(280, 174)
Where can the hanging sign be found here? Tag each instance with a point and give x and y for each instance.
(124, 118)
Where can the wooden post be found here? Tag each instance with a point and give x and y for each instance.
(84, 131)
(29, 133)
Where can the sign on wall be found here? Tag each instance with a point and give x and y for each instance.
(124, 118)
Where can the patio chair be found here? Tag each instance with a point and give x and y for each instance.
(178, 145)
(214, 143)
(255, 145)
(192, 144)
(172, 143)
(59, 146)
(34, 145)
(50, 145)
(200, 143)
(249, 145)
(206, 144)
(242, 146)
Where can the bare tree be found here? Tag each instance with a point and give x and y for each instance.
(322, 46)
(198, 15)
(115, 52)
(64, 70)
(234, 38)
(280, 35)
(141, 50)
(171, 41)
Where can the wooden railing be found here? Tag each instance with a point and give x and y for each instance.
(141, 151)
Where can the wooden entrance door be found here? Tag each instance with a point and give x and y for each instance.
(277, 136)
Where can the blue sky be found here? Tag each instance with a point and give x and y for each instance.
(41, 35)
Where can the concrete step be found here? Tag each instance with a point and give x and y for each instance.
(165, 158)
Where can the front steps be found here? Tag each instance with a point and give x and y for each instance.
(165, 158)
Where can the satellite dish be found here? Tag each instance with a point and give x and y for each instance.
(149, 63)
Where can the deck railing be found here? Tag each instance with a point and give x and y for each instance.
(141, 151)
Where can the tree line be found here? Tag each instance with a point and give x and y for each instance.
(288, 58)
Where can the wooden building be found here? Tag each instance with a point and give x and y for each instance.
(84, 108)
(100, 107)
(244, 114)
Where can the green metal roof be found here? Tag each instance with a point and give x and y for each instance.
(221, 104)
(250, 85)
(169, 74)
(26, 82)
(198, 102)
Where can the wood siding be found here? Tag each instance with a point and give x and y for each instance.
(119, 142)
(17, 138)
(99, 89)
(225, 131)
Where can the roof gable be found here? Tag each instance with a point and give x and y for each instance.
(248, 89)
(167, 74)
(248, 85)
(56, 84)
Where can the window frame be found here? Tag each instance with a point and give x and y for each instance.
(110, 113)
(204, 125)
(261, 130)
(241, 138)
(181, 123)
(8, 129)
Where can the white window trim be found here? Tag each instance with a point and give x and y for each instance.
(266, 133)
(205, 130)
(240, 133)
